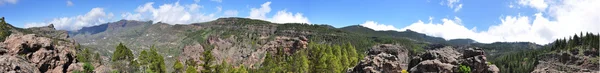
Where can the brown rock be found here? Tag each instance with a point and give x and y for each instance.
(44, 54)
(384, 58)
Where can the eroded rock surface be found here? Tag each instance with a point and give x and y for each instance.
(27, 53)
(386, 58)
(448, 59)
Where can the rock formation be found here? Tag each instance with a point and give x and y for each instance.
(386, 58)
(389, 58)
(572, 61)
(37, 50)
(449, 59)
(23, 51)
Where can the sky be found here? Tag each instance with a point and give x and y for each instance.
(485, 21)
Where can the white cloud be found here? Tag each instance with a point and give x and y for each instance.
(94, 17)
(453, 4)
(219, 1)
(570, 17)
(458, 7)
(379, 27)
(2, 2)
(287, 17)
(170, 13)
(69, 3)
(230, 13)
(540, 5)
(281, 16)
(260, 13)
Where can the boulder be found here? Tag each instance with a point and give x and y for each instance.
(386, 58)
(449, 59)
(41, 53)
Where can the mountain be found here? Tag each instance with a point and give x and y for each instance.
(393, 34)
(261, 45)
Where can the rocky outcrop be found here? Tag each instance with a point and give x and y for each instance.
(386, 58)
(448, 59)
(575, 60)
(33, 53)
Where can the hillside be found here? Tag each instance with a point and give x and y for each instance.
(261, 46)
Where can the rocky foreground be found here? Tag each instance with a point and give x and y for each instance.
(38, 53)
(389, 58)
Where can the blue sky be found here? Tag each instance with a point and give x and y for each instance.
(482, 20)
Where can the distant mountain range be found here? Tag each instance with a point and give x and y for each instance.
(231, 35)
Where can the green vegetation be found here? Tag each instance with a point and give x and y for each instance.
(88, 68)
(152, 61)
(207, 59)
(4, 29)
(464, 69)
(191, 69)
(178, 67)
(317, 58)
(525, 61)
(122, 59)
(148, 61)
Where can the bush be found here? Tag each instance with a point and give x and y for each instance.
(464, 69)
(88, 68)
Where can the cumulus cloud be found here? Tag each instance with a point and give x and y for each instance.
(2, 2)
(260, 13)
(453, 4)
(570, 17)
(169, 13)
(287, 17)
(69, 3)
(540, 5)
(282, 16)
(378, 27)
(93, 17)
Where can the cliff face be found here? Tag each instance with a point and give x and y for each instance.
(396, 59)
(37, 50)
(575, 60)
(386, 58)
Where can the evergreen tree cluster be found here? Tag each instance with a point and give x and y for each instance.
(87, 57)
(148, 61)
(525, 61)
(317, 58)
(207, 66)
(587, 40)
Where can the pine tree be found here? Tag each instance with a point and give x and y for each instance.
(122, 53)
(123, 59)
(177, 67)
(222, 68)
(97, 58)
(191, 69)
(207, 59)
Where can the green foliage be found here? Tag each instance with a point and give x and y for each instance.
(84, 56)
(191, 69)
(152, 60)
(317, 58)
(4, 29)
(122, 60)
(178, 67)
(464, 69)
(222, 68)
(207, 59)
(122, 53)
(88, 68)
